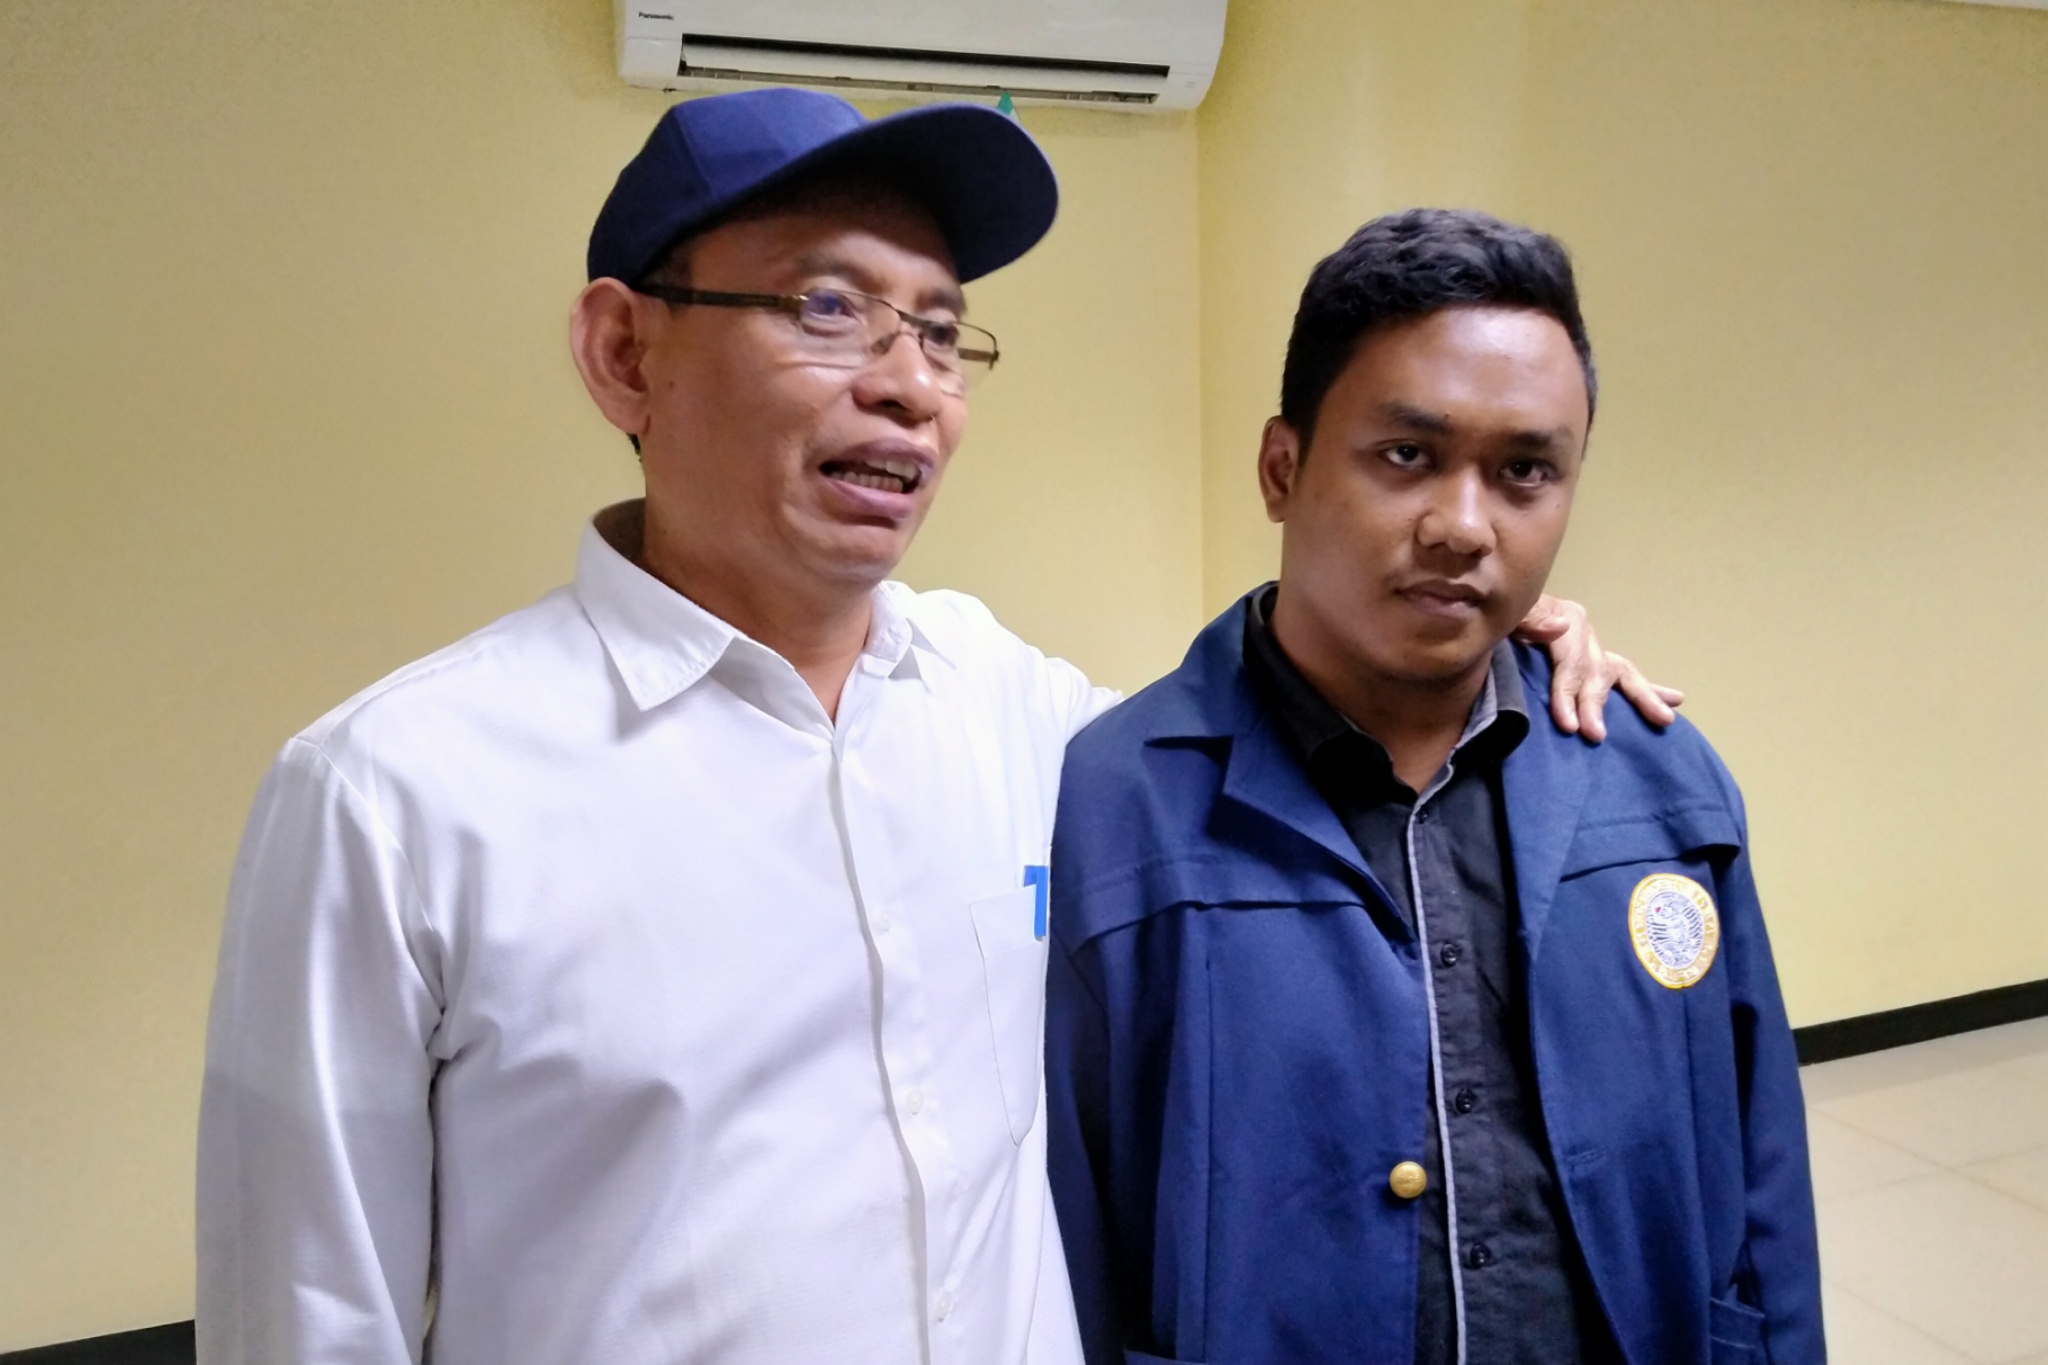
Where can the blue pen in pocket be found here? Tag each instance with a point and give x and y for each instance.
(1038, 877)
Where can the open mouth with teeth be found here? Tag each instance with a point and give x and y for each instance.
(888, 476)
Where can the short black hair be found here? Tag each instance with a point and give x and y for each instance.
(1408, 265)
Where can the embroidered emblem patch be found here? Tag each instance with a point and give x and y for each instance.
(1675, 928)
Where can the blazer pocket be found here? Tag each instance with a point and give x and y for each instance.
(1663, 837)
(1140, 1358)
(1735, 1332)
(1013, 972)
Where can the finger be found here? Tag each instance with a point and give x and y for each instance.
(1544, 622)
(1590, 674)
(1574, 656)
(1565, 680)
(1592, 700)
(1643, 695)
(1657, 704)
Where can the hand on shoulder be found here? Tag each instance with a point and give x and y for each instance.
(1583, 673)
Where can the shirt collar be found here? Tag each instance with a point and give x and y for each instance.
(1499, 716)
(662, 643)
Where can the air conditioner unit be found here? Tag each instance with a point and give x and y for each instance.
(1116, 54)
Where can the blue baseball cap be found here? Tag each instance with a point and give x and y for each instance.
(979, 173)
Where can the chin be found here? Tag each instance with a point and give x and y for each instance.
(867, 557)
(1438, 662)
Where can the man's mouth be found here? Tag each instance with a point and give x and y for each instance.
(1442, 597)
(880, 473)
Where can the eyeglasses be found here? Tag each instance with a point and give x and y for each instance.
(844, 327)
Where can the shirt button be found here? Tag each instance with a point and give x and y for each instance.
(1465, 1101)
(1450, 954)
(883, 924)
(914, 1101)
(944, 1306)
(1478, 1256)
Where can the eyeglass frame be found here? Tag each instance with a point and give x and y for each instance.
(792, 304)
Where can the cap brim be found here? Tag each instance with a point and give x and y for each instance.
(978, 172)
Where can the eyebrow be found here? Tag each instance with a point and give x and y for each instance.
(1558, 438)
(948, 297)
(1436, 424)
(1418, 419)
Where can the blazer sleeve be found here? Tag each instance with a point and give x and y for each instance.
(1781, 1258)
(315, 1144)
(1077, 1146)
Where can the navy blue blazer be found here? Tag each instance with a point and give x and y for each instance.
(1237, 1047)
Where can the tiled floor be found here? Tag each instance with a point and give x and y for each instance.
(1930, 1164)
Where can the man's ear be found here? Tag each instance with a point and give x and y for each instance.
(1280, 455)
(608, 342)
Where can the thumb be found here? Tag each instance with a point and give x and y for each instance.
(1543, 624)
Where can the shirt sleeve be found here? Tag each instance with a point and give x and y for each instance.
(1077, 700)
(1069, 699)
(315, 1142)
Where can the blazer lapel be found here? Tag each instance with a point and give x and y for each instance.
(1263, 784)
(1264, 779)
(1544, 782)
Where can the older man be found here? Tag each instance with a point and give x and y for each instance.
(655, 976)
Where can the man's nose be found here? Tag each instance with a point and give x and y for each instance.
(1456, 518)
(900, 376)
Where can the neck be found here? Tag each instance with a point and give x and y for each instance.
(821, 628)
(1418, 722)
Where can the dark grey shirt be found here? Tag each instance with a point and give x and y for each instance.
(1518, 1282)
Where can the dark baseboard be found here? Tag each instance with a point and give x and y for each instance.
(172, 1344)
(1921, 1023)
(167, 1345)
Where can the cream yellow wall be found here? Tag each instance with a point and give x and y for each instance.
(284, 401)
(1810, 235)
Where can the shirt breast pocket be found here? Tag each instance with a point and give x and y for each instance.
(1013, 969)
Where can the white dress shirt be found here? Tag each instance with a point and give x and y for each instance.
(587, 971)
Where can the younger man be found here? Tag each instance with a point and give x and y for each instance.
(1383, 1025)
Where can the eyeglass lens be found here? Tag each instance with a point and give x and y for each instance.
(849, 328)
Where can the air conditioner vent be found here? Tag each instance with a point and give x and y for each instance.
(919, 54)
(953, 90)
(1119, 54)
